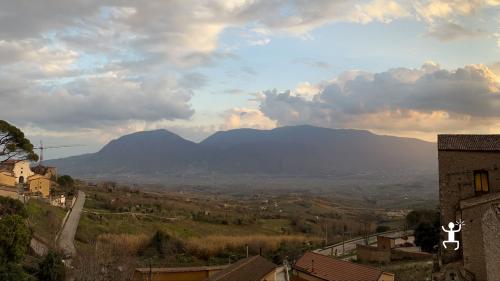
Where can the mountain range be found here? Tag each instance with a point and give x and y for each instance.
(285, 151)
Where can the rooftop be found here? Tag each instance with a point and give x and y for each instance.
(469, 142)
(248, 269)
(180, 269)
(331, 269)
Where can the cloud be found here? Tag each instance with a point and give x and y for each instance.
(246, 118)
(451, 31)
(425, 100)
(94, 103)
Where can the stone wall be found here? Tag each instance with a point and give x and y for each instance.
(456, 182)
(372, 254)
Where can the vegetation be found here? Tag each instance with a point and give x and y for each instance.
(51, 268)
(14, 240)
(14, 145)
(427, 228)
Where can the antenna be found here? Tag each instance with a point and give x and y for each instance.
(41, 148)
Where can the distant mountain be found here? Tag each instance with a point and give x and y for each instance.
(285, 151)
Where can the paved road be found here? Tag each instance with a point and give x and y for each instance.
(350, 245)
(67, 236)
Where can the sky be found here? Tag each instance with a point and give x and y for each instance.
(86, 72)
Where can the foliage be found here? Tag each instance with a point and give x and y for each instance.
(165, 245)
(14, 145)
(66, 181)
(382, 228)
(427, 235)
(51, 268)
(12, 272)
(417, 216)
(9, 206)
(14, 238)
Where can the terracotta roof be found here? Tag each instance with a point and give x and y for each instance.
(469, 142)
(180, 269)
(331, 269)
(248, 269)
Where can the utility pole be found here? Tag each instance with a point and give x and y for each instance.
(326, 233)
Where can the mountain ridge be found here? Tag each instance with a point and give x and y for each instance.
(291, 150)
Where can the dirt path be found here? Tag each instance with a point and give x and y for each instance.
(67, 237)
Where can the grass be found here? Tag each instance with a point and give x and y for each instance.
(44, 220)
(410, 270)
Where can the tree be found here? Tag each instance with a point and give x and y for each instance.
(14, 239)
(51, 268)
(427, 235)
(12, 272)
(14, 145)
(9, 206)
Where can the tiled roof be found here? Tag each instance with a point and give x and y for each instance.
(469, 142)
(180, 269)
(331, 269)
(248, 269)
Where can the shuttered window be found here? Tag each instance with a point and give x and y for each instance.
(481, 183)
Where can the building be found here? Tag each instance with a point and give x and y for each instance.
(198, 273)
(316, 267)
(19, 169)
(49, 172)
(255, 268)
(469, 191)
(391, 247)
(39, 184)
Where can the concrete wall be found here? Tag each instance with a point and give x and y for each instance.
(385, 243)
(491, 241)
(386, 277)
(7, 179)
(306, 276)
(401, 255)
(456, 182)
(372, 254)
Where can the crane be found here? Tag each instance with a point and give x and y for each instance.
(41, 148)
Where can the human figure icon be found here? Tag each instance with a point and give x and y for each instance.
(451, 234)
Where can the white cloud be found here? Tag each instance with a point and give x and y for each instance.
(420, 101)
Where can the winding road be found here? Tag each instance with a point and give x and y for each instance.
(67, 237)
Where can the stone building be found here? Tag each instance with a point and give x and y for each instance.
(469, 191)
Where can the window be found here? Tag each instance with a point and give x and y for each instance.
(481, 183)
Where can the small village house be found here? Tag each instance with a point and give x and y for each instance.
(197, 273)
(19, 169)
(39, 184)
(38, 179)
(316, 267)
(255, 268)
(469, 190)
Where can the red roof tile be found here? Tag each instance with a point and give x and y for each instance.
(469, 142)
(331, 269)
(248, 269)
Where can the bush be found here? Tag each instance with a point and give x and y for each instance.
(12, 272)
(382, 228)
(51, 268)
(9, 206)
(14, 239)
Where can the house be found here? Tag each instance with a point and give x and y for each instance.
(198, 273)
(39, 184)
(255, 268)
(469, 191)
(19, 169)
(317, 267)
(391, 247)
(49, 172)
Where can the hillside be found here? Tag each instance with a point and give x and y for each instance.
(285, 151)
